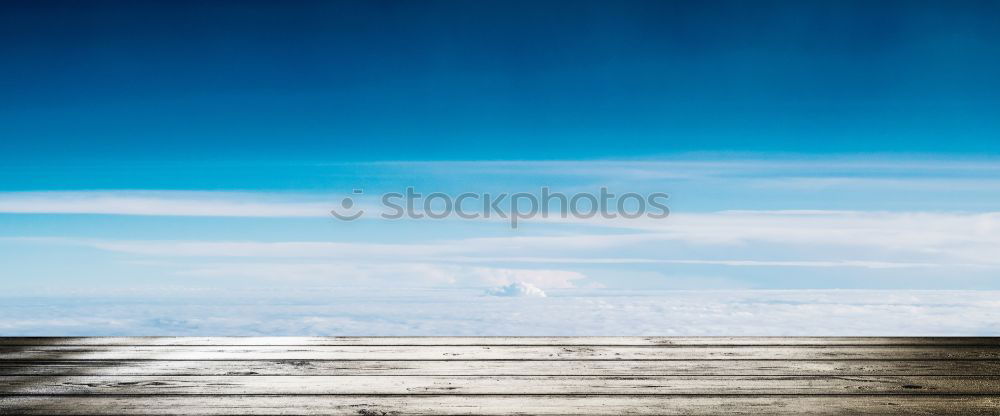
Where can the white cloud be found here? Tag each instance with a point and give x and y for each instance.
(517, 289)
(163, 203)
(342, 273)
(384, 274)
(877, 240)
(951, 238)
(823, 264)
(291, 249)
(769, 177)
(823, 239)
(531, 277)
(705, 166)
(338, 311)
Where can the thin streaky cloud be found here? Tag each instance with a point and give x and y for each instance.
(818, 238)
(160, 203)
(724, 262)
(384, 274)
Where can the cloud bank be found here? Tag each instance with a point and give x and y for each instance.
(338, 311)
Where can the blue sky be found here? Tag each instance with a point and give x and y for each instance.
(171, 153)
(348, 81)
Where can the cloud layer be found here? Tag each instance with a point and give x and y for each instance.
(333, 311)
(825, 239)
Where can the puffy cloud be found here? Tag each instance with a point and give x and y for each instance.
(532, 277)
(517, 289)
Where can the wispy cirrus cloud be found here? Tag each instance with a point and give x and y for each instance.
(824, 239)
(756, 240)
(163, 203)
(396, 274)
(782, 181)
(725, 166)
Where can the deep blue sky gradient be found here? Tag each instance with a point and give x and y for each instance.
(190, 150)
(110, 81)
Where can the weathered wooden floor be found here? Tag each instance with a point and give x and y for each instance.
(569, 376)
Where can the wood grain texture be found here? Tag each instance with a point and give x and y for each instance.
(630, 385)
(504, 352)
(498, 368)
(499, 376)
(501, 405)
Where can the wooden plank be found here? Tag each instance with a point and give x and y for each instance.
(485, 375)
(497, 341)
(499, 368)
(526, 385)
(500, 405)
(493, 353)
